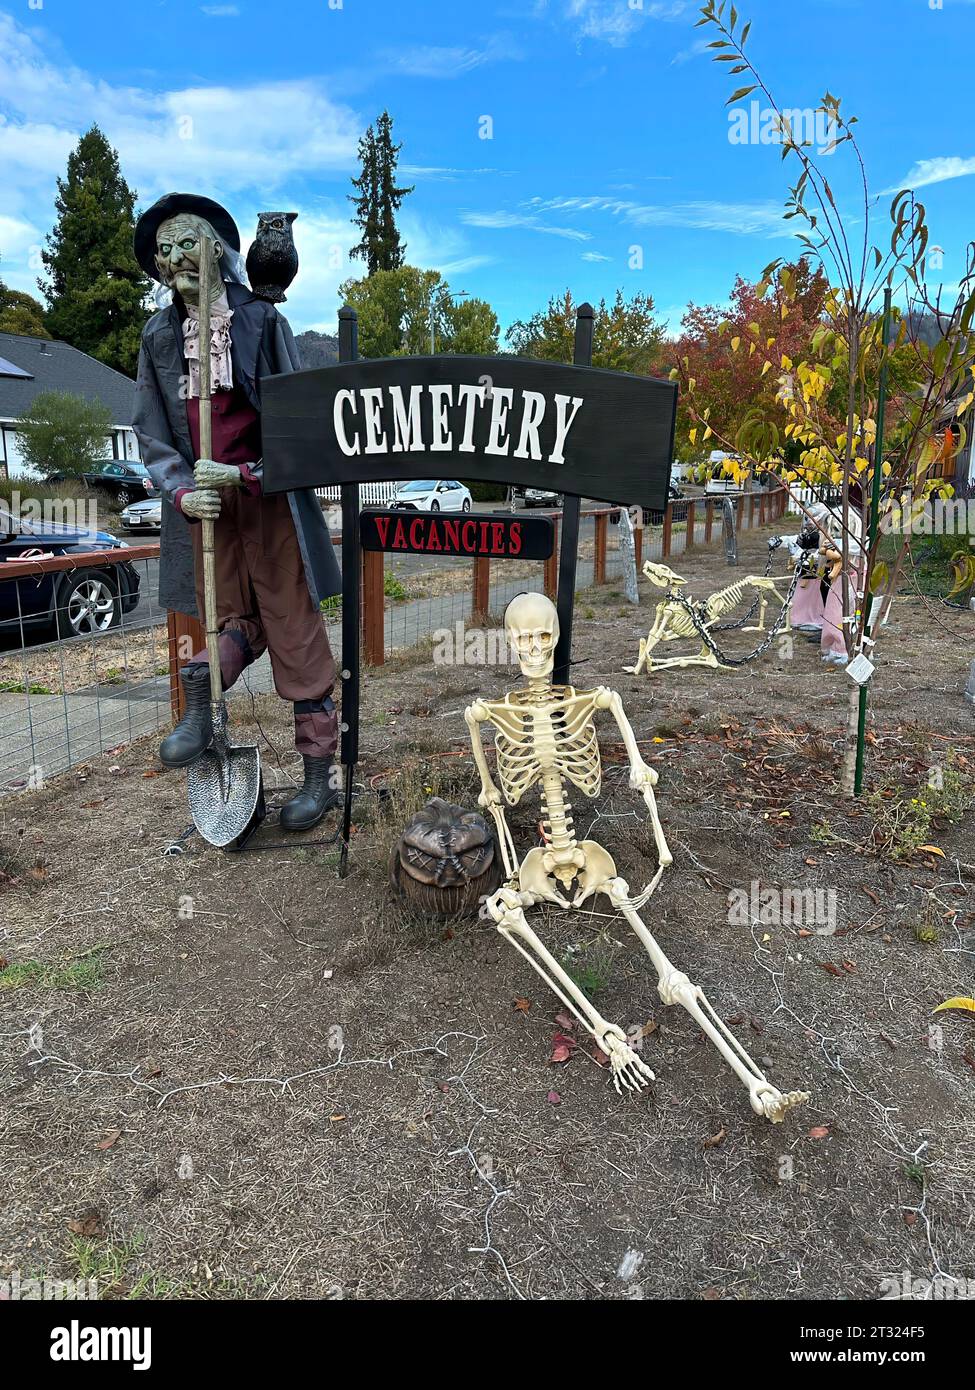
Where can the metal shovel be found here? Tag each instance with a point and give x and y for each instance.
(224, 785)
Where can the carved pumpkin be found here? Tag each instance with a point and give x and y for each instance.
(446, 860)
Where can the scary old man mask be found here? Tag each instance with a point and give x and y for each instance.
(178, 243)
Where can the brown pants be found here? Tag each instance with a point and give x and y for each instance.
(263, 603)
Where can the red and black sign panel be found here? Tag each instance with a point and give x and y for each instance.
(495, 535)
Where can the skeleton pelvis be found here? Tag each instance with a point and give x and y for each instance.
(542, 870)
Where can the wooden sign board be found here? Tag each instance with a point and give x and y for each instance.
(566, 429)
(498, 536)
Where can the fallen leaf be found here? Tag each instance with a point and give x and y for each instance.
(910, 1218)
(600, 1058)
(931, 849)
(335, 1119)
(711, 1295)
(811, 862)
(850, 967)
(829, 966)
(649, 1027)
(554, 1098)
(88, 1224)
(565, 1020)
(112, 1137)
(871, 895)
(715, 1139)
(968, 1005)
(804, 931)
(522, 1005)
(819, 1132)
(153, 772)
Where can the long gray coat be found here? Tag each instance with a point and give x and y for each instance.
(262, 345)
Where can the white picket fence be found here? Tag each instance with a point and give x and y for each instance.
(808, 495)
(370, 494)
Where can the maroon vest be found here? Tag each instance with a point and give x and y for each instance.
(236, 427)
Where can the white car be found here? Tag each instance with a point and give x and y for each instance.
(143, 516)
(431, 496)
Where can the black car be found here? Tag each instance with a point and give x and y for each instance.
(72, 603)
(124, 481)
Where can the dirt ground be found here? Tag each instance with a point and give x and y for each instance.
(230, 1076)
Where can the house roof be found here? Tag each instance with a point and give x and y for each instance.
(29, 366)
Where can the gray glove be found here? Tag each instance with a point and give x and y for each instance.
(208, 474)
(201, 503)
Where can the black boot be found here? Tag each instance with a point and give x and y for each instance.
(316, 796)
(194, 731)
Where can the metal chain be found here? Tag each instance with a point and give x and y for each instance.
(696, 613)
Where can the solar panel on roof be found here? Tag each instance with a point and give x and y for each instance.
(11, 369)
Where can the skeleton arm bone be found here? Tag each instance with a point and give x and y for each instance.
(490, 797)
(642, 776)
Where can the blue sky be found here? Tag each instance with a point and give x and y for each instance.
(608, 124)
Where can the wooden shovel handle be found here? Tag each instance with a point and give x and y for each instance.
(206, 447)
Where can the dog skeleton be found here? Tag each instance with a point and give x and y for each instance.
(677, 617)
(545, 737)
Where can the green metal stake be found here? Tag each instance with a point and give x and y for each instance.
(878, 458)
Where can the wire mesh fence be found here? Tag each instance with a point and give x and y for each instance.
(87, 663)
(84, 661)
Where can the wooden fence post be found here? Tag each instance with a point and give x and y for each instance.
(373, 607)
(708, 519)
(751, 511)
(552, 565)
(668, 527)
(185, 636)
(481, 594)
(599, 558)
(638, 543)
(691, 519)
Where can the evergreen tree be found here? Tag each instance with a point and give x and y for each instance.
(95, 289)
(378, 199)
(21, 313)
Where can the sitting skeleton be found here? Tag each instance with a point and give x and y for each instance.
(545, 738)
(678, 617)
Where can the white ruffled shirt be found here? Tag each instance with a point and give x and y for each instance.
(221, 365)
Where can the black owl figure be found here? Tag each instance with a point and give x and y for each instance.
(272, 261)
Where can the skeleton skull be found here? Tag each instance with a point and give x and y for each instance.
(531, 625)
(661, 575)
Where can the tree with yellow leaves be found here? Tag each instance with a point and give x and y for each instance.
(861, 349)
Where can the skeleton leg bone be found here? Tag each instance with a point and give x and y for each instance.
(507, 909)
(674, 987)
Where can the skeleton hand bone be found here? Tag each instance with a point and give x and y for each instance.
(630, 1072)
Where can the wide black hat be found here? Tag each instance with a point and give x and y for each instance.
(168, 206)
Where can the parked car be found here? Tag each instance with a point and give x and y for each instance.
(721, 483)
(431, 496)
(143, 516)
(524, 497)
(124, 481)
(72, 603)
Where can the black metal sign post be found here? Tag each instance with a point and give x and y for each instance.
(576, 430)
(569, 549)
(351, 603)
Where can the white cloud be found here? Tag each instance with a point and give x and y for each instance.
(249, 142)
(515, 219)
(595, 256)
(431, 61)
(686, 54)
(936, 170)
(764, 219)
(614, 21)
(221, 11)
